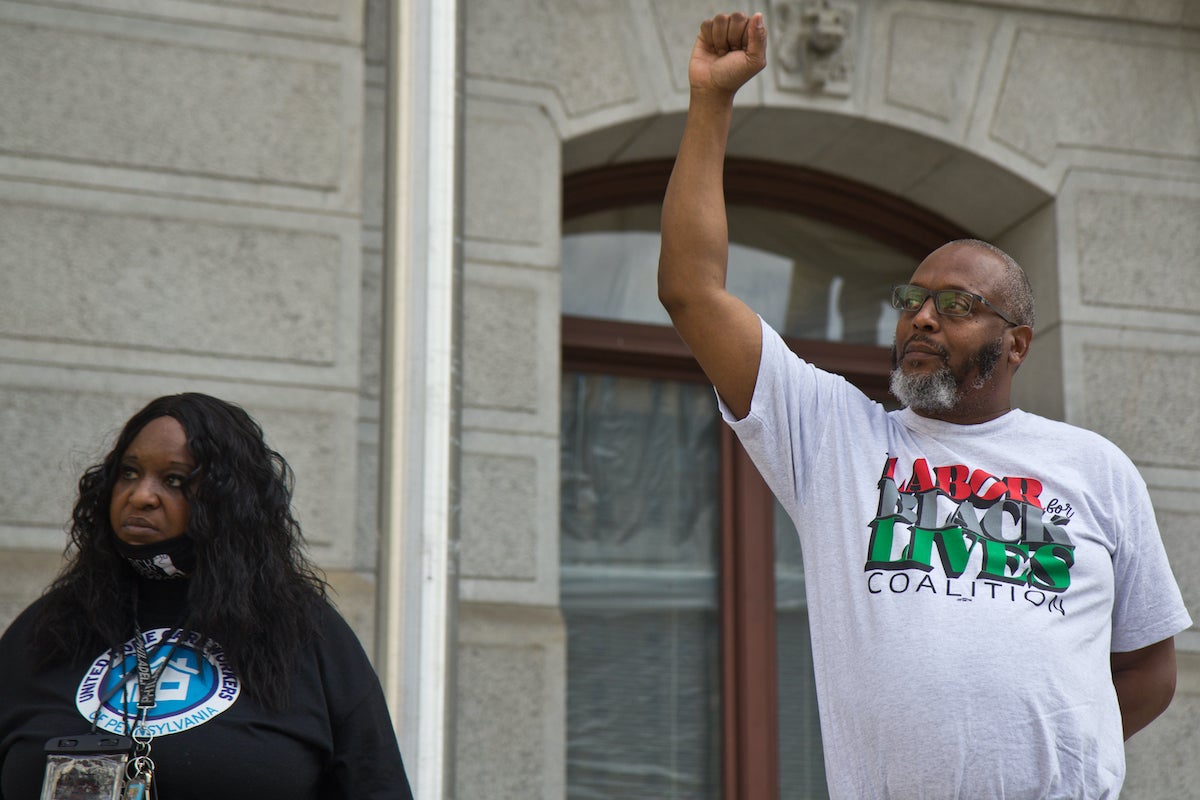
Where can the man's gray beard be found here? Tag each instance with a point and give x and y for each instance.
(929, 392)
(939, 391)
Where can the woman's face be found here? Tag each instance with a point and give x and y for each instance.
(148, 503)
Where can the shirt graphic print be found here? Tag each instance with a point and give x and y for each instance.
(991, 537)
(193, 679)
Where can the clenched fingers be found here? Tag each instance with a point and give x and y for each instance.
(726, 32)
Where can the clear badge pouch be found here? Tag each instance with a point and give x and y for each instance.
(85, 767)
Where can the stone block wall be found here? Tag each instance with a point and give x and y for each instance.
(180, 209)
(510, 729)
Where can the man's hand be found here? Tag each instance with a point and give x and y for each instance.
(730, 50)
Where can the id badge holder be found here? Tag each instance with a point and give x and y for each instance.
(90, 765)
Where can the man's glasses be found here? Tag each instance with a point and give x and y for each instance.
(948, 302)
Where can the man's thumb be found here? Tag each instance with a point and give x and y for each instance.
(756, 40)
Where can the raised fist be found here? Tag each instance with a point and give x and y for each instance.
(730, 50)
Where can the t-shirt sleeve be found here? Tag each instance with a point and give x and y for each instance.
(794, 408)
(1147, 604)
(771, 430)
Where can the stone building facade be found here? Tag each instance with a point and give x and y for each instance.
(194, 198)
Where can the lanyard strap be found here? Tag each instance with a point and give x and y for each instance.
(141, 765)
(147, 680)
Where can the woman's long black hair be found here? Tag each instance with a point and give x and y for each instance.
(253, 590)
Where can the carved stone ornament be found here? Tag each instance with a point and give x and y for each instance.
(812, 38)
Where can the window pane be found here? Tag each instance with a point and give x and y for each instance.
(808, 279)
(640, 462)
(801, 764)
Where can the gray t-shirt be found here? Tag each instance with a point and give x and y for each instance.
(966, 585)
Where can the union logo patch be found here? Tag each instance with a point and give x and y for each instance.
(194, 684)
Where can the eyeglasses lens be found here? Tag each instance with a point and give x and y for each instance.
(908, 298)
(953, 304)
(947, 301)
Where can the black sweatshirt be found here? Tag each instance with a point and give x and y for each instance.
(334, 740)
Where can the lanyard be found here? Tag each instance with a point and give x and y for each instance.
(141, 766)
(138, 783)
(141, 772)
(147, 680)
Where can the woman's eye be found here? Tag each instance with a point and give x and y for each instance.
(127, 473)
(175, 481)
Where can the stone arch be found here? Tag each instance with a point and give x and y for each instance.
(938, 176)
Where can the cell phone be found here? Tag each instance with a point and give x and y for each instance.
(89, 766)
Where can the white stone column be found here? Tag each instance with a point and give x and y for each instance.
(417, 586)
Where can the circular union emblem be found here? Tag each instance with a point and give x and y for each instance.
(194, 684)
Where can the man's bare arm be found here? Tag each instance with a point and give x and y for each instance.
(1145, 683)
(722, 332)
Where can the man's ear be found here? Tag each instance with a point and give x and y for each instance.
(1020, 337)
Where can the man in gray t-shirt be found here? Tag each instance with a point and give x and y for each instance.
(991, 606)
